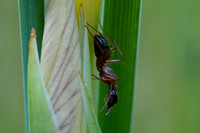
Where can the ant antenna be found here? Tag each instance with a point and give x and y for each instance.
(81, 11)
(89, 30)
(113, 45)
(104, 30)
(100, 34)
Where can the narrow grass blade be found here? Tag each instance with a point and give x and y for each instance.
(41, 115)
(83, 37)
(91, 11)
(91, 118)
(121, 22)
(60, 60)
(86, 69)
(85, 57)
(31, 14)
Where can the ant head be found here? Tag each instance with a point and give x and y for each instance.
(113, 99)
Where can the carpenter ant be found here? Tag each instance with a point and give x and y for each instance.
(107, 75)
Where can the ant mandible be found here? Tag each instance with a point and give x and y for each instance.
(107, 75)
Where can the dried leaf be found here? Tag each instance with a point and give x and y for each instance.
(60, 62)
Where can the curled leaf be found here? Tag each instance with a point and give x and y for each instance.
(60, 60)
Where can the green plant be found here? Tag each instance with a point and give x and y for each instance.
(61, 59)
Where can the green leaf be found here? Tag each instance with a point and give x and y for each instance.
(121, 21)
(89, 112)
(41, 115)
(91, 122)
(85, 52)
(31, 14)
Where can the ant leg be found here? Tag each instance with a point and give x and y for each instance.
(122, 57)
(113, 45)
(104, 79)
(108, 98)
(95, 77)
(115, 60)
(106, 101)
(108, 62)
(89, 31)
(109, 111)
(100, 34)
(93, 37)
(106, 33)
(117, 90)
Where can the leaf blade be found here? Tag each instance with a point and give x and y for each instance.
(91, 119)
(31, 14)
(91, 123)
(121, 22)
(41, 115)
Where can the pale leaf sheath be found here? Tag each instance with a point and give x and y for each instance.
(40, 112)
(60, 61)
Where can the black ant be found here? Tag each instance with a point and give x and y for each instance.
(107, 75)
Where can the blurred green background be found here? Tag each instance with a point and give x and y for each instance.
(168, 77)
(11, 91)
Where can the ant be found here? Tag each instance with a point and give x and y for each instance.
(107, 75)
